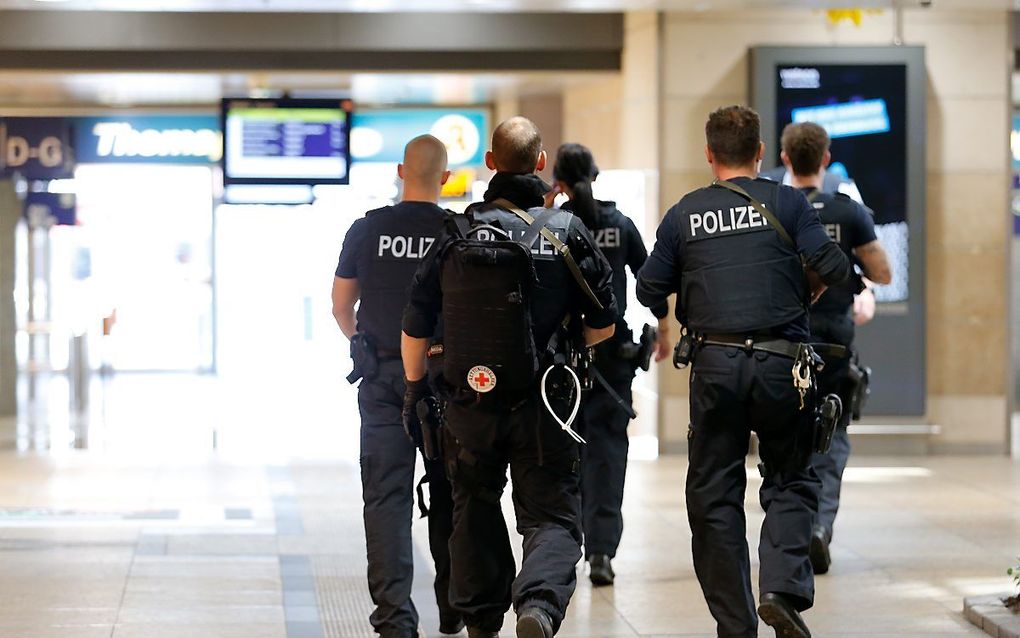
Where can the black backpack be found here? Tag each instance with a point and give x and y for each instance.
(487, 280)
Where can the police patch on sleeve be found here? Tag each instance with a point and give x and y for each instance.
(481, 379)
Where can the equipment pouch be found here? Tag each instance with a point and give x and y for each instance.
(431, 418)
(827, 418)
(684, 351)
(366, 363)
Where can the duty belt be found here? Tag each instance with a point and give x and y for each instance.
(771, 345)
(831, 350)
(385, 354)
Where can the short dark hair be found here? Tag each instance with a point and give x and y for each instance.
(516, 145)
(733, 134)
(805, 144)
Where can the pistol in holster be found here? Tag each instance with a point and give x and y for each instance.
(859, 378)
(366, 362)
(640, 353)
(430, 415)
(827, 417)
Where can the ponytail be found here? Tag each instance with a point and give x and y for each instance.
(575, 166)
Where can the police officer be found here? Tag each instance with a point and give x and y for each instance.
(743, 296)
(806, 156)
(607, 408)
(482, 438)
(378, 260)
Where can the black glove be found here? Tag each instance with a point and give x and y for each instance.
(415, 392)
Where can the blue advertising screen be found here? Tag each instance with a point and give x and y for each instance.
(864, 109)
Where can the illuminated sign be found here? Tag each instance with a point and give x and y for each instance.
(35, 147)
(380, 135)
(159, 139)
(866, 117)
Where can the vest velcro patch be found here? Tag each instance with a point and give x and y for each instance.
(734, 220)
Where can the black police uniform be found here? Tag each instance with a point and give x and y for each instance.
(603, 421)
(480, 441)
(736, 277)
(851, 225)
(382, 251)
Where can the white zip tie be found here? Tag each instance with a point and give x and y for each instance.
(565, 425)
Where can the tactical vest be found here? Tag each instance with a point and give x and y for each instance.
(738, 274)
(398, 239)
(835, 211)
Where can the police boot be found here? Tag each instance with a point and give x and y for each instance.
(819, 551)
(600, 570)
(777, 612)
(534, 623)
(478, 632)
(450, 624)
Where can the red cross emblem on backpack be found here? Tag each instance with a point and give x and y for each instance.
(481, 379)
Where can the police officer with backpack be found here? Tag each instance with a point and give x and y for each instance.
(733, 252)
(607, 409)
(806, 156)
(521, 292)
(380, 255)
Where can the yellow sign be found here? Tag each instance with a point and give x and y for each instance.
(850, 15)
(459, 183)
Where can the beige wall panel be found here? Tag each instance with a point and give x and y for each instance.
(968, 135)
(677, 184)
(969, 423)
(966, 209)
(706, 53)
(684, 130)
(958, 56)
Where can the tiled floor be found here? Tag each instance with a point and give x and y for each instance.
(95, 545)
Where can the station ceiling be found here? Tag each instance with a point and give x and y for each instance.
(458, 6)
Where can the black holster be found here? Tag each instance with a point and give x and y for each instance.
(366, 362)
(827, 418)
(430, 414)
(640, 353)
(859, 378)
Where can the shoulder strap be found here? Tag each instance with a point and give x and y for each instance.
(773, 220)
(461, 223)
(813, 195)
(560, 247)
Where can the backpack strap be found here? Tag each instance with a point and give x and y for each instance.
(461, 223)
(560, 247)
(769, 215)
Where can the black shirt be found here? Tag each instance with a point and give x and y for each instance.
(382, 251)
(850, 225)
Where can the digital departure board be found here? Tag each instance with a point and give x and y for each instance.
(286, 141)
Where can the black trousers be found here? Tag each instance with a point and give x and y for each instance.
(387, 482)
(733, 393)
(830, 466)
(543, 461)
(603, 423)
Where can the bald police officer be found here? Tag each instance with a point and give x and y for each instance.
(378, 260)
(806, 156)
(742, 294)
(484, 432)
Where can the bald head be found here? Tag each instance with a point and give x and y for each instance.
(424, 161)
(517, 146)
